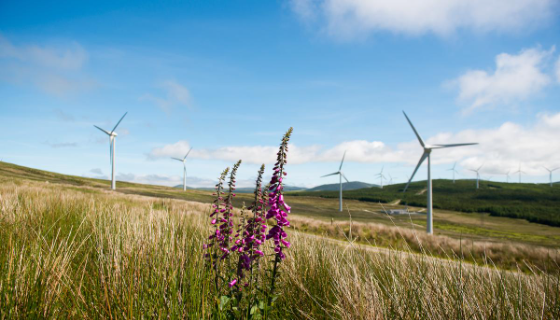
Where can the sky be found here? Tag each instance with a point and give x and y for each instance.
(228, 78)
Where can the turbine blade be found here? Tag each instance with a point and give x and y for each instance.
(118, 122)
(177, 159)
(424, 156)
(414, 129)
(107, 132)
(341, 162)
(441, 146)
(331, 174)
(187, 154)
(345, 178)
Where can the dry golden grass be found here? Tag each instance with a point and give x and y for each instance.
(69, 253)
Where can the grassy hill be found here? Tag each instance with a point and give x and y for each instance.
(352, 185)
(537, 203)
(321, 216)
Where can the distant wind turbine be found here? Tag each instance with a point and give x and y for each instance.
(507, 176)
(341, 175)
(477, 174)
(390, 179)
(112, 137)
(381, 177)
(427, 154)
(184, 169)
(453, 171)
(520, 172)
(550, 174)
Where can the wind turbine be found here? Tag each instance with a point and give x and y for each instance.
(381, 177)
(184, 169)
(453, 171)
(427, 154)
(390, 179)
(112, 136)
(341, 175)
(507, 176)
(550, 174)
(477, 174)
(520, 172)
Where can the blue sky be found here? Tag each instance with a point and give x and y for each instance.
(229, 77)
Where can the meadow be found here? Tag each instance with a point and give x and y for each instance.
(82, 252)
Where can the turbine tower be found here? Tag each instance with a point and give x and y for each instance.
(340, 175)
(112, 137)
(381, 177)
(184, 169)
(550, 174)
(507, 176)
(477, 174)
(453, 171)
(427, 154)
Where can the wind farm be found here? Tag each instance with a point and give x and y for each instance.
(439, 118)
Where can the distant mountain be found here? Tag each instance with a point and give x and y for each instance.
(352, 185)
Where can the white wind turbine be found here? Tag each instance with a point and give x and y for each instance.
(112, 137)
(520, 172)
(507, 176)
(477, 174)
(427, 154)
(453, 171)
(184, 169)
(550, 174)
(341, 175)
(381, 177)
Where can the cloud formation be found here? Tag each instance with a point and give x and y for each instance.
(56, 70)
(175, 94)
(351, 18)
(500, 149)
(515, 78)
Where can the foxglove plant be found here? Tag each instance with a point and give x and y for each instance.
(242, 292)
(252, 233)
(226, 226)
(278, 210)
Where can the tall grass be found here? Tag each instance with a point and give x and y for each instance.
(70, 254)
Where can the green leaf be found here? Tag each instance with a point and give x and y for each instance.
(254, 309)
(224, 300)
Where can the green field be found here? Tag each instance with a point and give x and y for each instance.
(538, 203)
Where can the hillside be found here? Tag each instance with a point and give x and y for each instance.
(537, 203)
(352, 185)
(322, 212)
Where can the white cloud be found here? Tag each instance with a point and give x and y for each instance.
(350, 18)
(54, 70)
(175, 95)
(515, 78)
(500, 149)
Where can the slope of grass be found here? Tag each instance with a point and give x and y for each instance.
(535, 203)
(70, 253)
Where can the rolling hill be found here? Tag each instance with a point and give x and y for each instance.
(537, 203)
(352, 185)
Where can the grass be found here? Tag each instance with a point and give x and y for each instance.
(71, 253)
